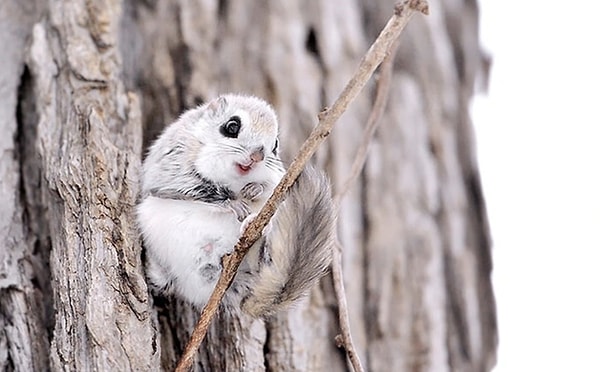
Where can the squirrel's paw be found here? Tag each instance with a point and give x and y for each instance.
(251, 218)
(252, 191)
(240, 208)
(247, 221)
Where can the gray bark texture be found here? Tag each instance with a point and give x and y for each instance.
(87, 84)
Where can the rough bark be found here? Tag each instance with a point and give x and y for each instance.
(87, 84)
(24, 274)
(85, 132)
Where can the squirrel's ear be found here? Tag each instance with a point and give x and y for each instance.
(217, 106)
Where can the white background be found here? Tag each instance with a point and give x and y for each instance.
(538, 133)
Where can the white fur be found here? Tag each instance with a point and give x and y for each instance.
(176, 232)
(220, 166)
(194, 191)
(184, 237)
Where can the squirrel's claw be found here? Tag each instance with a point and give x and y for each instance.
(240, 208)
(249, 219)
(252, 191)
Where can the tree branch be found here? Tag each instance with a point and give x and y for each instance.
(327, 118)
(381, 98)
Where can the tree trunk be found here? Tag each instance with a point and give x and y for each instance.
(87, 84)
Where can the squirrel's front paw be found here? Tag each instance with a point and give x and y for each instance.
(267, 229)
(252, 191)
(240, 208)
(247, 221)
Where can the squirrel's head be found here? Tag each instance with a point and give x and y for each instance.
(237, 137)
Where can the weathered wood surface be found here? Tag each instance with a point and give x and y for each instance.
(84, 82)
(81, 137)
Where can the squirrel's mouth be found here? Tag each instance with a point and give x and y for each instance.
(244, 169)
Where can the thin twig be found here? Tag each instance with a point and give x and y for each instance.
(381, 98)
(327, 118)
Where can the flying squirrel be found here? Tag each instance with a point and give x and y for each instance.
(204, 178)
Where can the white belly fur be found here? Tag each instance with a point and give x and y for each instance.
(187, 240)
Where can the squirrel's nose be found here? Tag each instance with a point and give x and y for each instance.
(258, 155)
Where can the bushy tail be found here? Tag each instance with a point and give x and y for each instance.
(299, 245)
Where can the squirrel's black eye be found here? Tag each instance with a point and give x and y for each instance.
(231, 129)
(276, 147)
